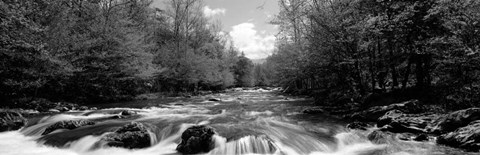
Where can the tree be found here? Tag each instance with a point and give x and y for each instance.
(26, 65)
(243, 72)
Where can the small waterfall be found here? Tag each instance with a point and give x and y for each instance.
(244, 145)
(85, 144)
(37, 129)
(350, 143)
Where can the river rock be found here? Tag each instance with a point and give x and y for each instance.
(65, 106)
(10, 120)
(358, 126)
(132, 136)
(70, 124)
(454, 120)
(197, 139)
(127, 113)
(398, 122)
(373, 113)
(214, 99)
(377, 137)
(467, 137)
(83, 108)
(314, 111)
(421, 137)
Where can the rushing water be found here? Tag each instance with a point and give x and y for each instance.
(246, 122)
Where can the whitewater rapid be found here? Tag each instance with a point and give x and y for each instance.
(246, 122)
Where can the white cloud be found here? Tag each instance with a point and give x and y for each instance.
(213, 12)
(254, 45)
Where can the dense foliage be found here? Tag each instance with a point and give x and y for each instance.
(109, 50)
(344, 50)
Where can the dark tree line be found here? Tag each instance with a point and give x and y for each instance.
(111, 50)
(349, 50)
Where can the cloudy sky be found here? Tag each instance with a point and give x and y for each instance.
(246, 21)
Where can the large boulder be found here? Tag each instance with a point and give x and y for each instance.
(454, 120)
(70, 124)
(467, 137)
(131, 136)
(10, 120)
(373, 113)
(197, 139)
(398, 122)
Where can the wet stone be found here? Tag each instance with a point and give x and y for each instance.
(10, 120)
(70, 124)
(214, 99)
(127, 113)
(197, 139)
(377, 137)
(131, 136)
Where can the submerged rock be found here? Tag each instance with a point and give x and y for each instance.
(405, 136)
(197, 139)
(454, 120)
(10, 120)
(131, 136)
(70, 124)
(467, 137)
(377, 137)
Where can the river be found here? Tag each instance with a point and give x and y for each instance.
(246, 122)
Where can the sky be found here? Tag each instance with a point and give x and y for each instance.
(246, 21)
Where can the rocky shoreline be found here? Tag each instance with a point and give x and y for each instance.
(410, 120)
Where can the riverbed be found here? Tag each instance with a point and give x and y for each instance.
(246, 122)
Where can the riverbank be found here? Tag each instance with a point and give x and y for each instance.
(414, 121)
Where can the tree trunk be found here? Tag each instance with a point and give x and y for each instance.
(407, 73)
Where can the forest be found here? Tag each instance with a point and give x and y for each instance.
(92, 51)
(371, 51)
(338, 51)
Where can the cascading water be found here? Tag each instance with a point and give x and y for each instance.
(246, 122)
